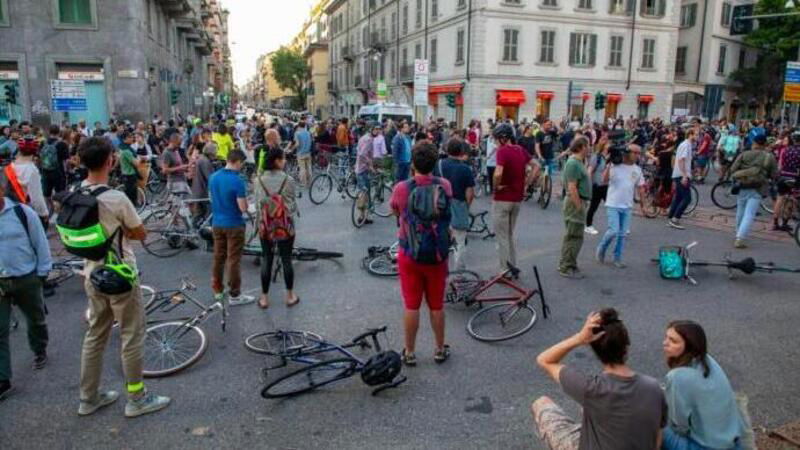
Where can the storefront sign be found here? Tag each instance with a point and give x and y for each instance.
(9, 75)
(85, 76)
(128, 74)
(421, 72)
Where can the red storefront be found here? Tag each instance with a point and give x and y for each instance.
(507, 103)
(448, 102)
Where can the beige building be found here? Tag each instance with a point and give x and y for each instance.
(317, 99)
(275, 96)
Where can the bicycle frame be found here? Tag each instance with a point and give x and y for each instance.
(166, 301)
(307, 357)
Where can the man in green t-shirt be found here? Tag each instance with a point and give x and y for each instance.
(127, 166)
(579, 192)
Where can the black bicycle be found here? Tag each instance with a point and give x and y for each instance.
(478, 225)
(381, 370)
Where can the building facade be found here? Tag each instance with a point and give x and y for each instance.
(507, 58)
(315, 50)
(706, 55)
(274, 96)
(137, 57)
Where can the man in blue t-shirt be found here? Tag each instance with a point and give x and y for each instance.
(302, 145)
(228, 202)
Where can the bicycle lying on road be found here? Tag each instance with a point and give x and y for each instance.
(381, 261)
(675, 262)
(382, 369)
(510, 314)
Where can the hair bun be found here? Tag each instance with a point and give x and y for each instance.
(609, 316)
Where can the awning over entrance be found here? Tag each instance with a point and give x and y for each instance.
(545, 95)
(446, 89)
(510, 97)
(646, 98)
(613, 98)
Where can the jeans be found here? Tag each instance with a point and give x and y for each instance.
(747, 205)
(460, 237)
(619, 219)
(228, 247)
(674, 441)
(401, 171)
(504, 218)
(26, 294)
(683, 196)
(130, 183)
(598, 194)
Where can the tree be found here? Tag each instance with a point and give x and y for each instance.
(290, 71)
(763, 82)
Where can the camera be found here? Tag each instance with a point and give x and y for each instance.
(618, 147)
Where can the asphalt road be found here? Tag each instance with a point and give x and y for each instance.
(479, 399)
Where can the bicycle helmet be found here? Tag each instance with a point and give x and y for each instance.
(503, 130)
(381, 368)
(206, 234)
(109, 281)
(27, 145)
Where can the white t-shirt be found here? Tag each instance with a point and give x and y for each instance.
(684, 151)
(623, 180)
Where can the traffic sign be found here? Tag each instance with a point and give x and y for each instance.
(69, 104)
(791, 92)
(68, 95)
(421, 71)
(792, 72)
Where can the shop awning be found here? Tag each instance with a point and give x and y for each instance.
(433, 99)
(446, 89)
(545, 95)
(613, 98)
(646, 98)
(510, 98)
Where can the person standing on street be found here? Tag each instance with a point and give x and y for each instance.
(622, 181)
(116, 215)
(223, 140)
(364, 168)
(455, 170)
(681, 179)
(228, 203)
(175, 167)
(302, 146)
(343, 135)
(127, 164)
(52, 158)
(510, 179)
(26, 180)
(752, 172)
(597, 165)
(24, 262)
(579, 193)
(401, 153)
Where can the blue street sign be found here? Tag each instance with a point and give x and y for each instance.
(792, 76)
(69, 104)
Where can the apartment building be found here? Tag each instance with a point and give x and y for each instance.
(507, 58)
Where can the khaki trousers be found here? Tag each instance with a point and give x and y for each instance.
(504, 219)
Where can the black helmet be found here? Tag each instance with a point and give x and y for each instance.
(381, 368)
(503, 130)
(109, 282)
(206, 233)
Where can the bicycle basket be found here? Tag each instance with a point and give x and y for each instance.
(671, 262)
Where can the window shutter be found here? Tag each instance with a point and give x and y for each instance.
(662, 7)
(573, 49)
(629, 5)
(592, 49)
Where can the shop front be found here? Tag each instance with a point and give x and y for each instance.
(96, 100)
(543, 100)
(643, 108)
(507, 104)
(578, 109)
(447, 102)
(612, 105)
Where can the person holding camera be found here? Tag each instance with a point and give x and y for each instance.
(751, 173)
(623, 177)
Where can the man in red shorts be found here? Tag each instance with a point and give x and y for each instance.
(423, 206)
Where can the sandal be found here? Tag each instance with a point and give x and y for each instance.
(263, 305)
(409, 359)
(441, 355)
(290, 303)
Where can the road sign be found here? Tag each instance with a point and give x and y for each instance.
(791, 92)
(792, 72)
(421, 72)
(68, 95)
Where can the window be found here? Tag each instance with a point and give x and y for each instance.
(654, 8)
(723, 52)
(394, 26)
(513, 2)
(146, 16)
(620, 6)
(365, 37)
(584, 4)
(742, 58)
(460, 46)
(548, 45)
(434, 53)
(550, 3)
(75, 12)
(680, 60)
(510, 42)
(418, 21)
(688, 15)
(726, 14)
(392, 65)
(405, 19)
(383, 29)
(615, 56)
(582, 49)
(648, 53)
(404, 58)
(461, 4)
(434, 9)
(418, 51)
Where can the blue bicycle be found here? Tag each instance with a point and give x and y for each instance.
(382, 369)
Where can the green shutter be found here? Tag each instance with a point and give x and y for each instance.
(592, 49)
(572, 49)
(662, 8)
(75, 11)
(2, 13)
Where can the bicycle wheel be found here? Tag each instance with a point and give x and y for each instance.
(283, 343)
(694, 200)
(310, 377)
(546, 192)
(797, 233)
(501, 321)
(381, 201)
(460, 285)
(649, 206)
(170, 347)
(356, 214)
(59, 274)
(721, 195)
(382, 266)
(321, 187)
(351, 185)
(166, 234)
(768, 203)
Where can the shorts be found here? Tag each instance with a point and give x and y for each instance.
(702, 162)
(417, 280)
(52, 183)
(362, 181)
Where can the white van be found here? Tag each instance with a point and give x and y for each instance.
(379, 111)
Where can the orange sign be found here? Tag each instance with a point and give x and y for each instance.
(791, 92)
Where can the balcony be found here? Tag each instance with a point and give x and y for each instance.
(406, 74)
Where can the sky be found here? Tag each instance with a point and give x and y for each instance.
(260, 26)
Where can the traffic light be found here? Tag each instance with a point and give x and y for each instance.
(599, 101)
(174, 95)
(11, 93)
(451, 100)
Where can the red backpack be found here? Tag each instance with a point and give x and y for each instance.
(276, 221)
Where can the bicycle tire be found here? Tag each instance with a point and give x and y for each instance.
(273, 342)
(460, 284)
(356, 216)
(768, 204)
(164, 240)
(797, 233)
(320, 188)
(511, 308)
(694, 201)
(159, 343)
(327, 371)
(382, 266)
(721, 195)
(59, 274)
(351, 185)
(381, 201)
(546, 192)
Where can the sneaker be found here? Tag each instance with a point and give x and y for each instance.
(739, 243)
(675, 224)
(591, 230)
(619, 265)
(409, 359)
(573, 274)
(39, 361)
(441, 355)
(5, 390)
(241, 299)
(599, 256)
(103, 399)
(148, 403)
(784, 227)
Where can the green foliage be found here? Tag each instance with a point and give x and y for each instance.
(290, 71)
(780, 35)
(764, 81)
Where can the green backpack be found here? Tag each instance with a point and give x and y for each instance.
(671, 263)
(79, 225)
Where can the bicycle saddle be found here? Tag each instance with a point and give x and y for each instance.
(747, 265)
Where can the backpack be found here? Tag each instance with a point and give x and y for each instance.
(754, 176)
(79, 226)
(49, 156)
(14, 189)
(276, 221)
(427, 215)
(671, 263)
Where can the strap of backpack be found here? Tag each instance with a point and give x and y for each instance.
(23, 220)
(283, 184)
(261, 182)
(13, 181)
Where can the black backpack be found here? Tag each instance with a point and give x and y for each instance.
(79, 225)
